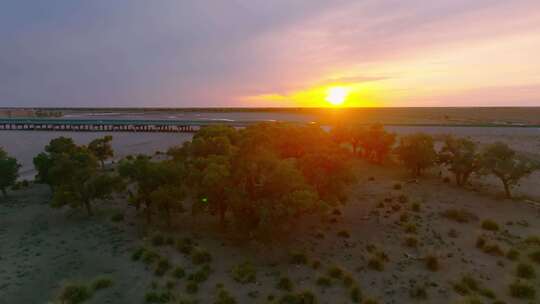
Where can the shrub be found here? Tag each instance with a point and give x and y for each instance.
(179, 272)
(402, 198)
(305, 297)
(535, 256)
(285, 283)
(525, 271)
(344, 234)
(410, 228)
(404, 217)
(158, 297)
(480, 242)
(335, 272)
(512, 254)
(418, 292)
(397, 186)
(200, 275)
(74, 294)
(416, 152)
(162, 267)
(149, 256)
(415, 207)
(117, 217)
(184, 246)
(490, 225)
(200, 256)
(493, 249)
(158, 240)
(316, 264)
(192, 287)
(298, 258)
(356, 294)
(432, 263)
(324, 281)
(244, 273)
(532, 240)
(459, 215)
(411, 241)
(224, 298)
(101, 283)
(376, 263)
(348, 280)
(522, 290)
(137, 254)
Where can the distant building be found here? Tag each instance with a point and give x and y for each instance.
(17, 113)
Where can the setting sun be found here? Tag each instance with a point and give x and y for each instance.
(336, 95)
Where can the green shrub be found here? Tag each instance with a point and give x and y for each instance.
(158, 297)
(244, 273)
(224, 298)
(512, 254)
(335, 272)
(192, 287)
(490, 225)
(493, 249)
(535, 256)
(101, 283)
(298, 258)
(179, 272)
(149, 256)
(418, 292)
(137, 254)
(117, 217)
(324, 281)
(158, 240)
(411, 241)
(404, 217)
(410, 228)
(402, 198)
(348, 280)
(284, 283)
(415, 207)
(488, 293)
(162, 267)
(200, 256)
(397, 186)
(304, 297)
(525, 271)
(200, 275)
(522, 290)
(533, 240)
(316, 264)
(184, 246)
(459, 215)
(74, 293)
(344, 234)
(376, 263)
(356, 294)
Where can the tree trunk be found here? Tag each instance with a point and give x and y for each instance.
(168, 217)
(222, 211)
(458, 179)
(88, 208)
(102, 165)
(4, 192)
(507, 189)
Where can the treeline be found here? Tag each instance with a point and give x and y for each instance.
(257, 179)
(460, 156)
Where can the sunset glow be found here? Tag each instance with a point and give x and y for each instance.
(336, 95)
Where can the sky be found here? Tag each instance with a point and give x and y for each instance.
(260, 53)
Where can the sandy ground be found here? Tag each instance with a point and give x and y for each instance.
(41, 248)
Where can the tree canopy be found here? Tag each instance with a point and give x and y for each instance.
(102, 149)
(461, 157)
(509, 167)
(9, 171)
(416, 152)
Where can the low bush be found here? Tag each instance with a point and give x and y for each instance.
(298, 258)
(525, 271)
(411, 241)
(200, 256)
(74, 293)
(522, 290)
(335, 272)
(324, 281)
(101, 283)
(356, 295)
(284, 283)
(432, 263)
(535, 256)
(490, 225)
(179, 272)
(244, 273)
(459, 215)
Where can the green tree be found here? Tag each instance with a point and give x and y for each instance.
(416, 152)
(376, 143)
(509, 167)
(461, 157)
(159, 186)
(9, 171)
(57, 148)
(82, 183)
(102, 149)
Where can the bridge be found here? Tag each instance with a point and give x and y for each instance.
(114, 125)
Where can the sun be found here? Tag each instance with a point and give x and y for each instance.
(336, 95)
